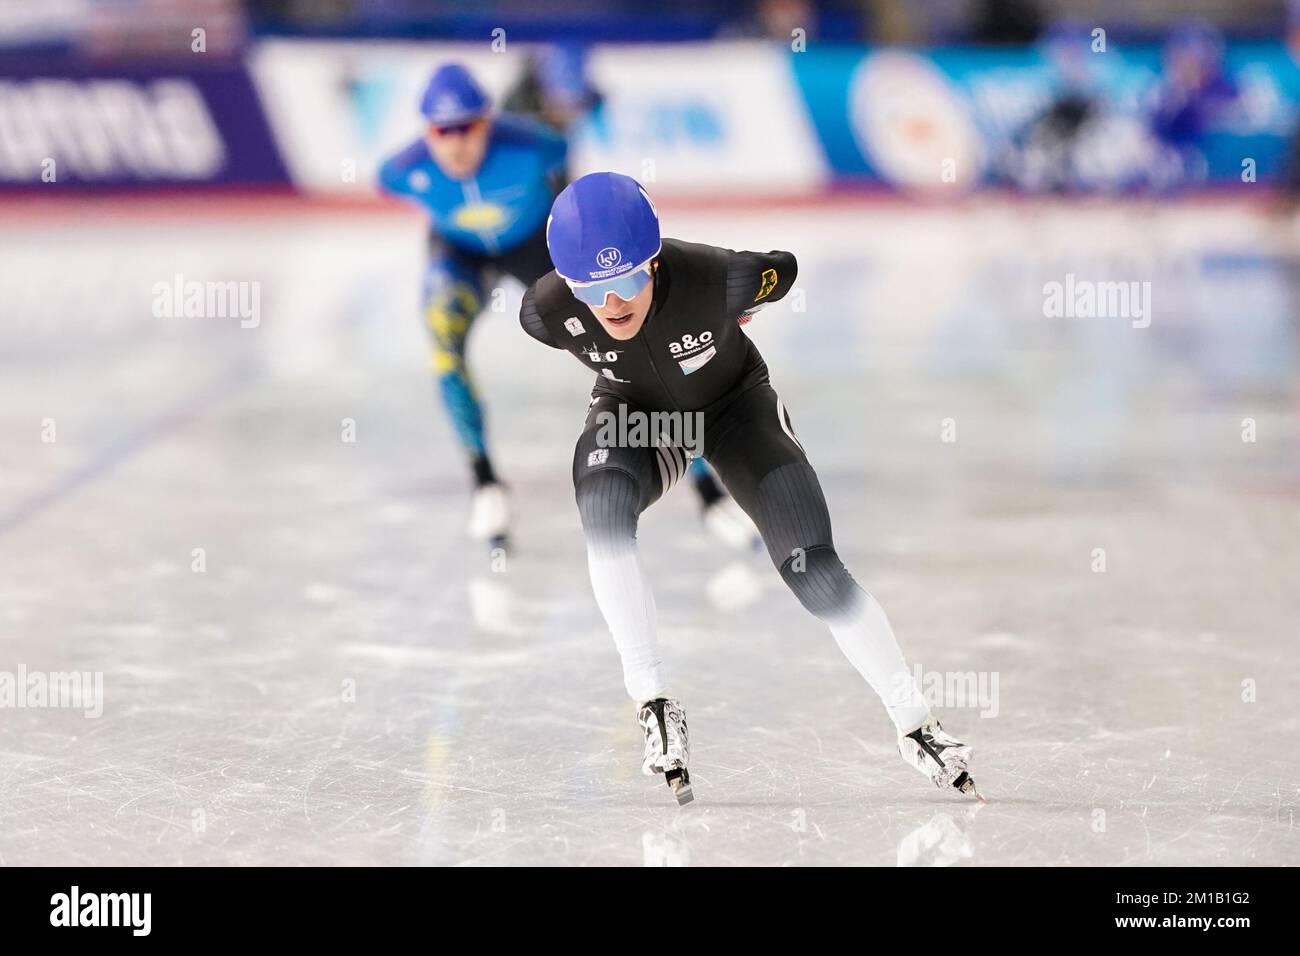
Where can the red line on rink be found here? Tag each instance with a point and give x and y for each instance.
(224, 202)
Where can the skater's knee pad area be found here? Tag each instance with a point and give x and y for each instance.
(608, 500)
(791, 511)
(819, 580)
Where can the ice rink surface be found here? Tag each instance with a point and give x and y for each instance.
(338, 676)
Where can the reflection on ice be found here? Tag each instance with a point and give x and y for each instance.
(940, 841)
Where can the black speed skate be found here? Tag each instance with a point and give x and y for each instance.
(940, 756)
(667, 745)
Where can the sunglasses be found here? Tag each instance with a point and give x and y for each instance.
(625, 286)
(456, 129)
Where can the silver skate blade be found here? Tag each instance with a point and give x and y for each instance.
(680, 783)
(968, 788)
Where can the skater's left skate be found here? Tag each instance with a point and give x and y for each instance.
(940, 756)
(667, 745)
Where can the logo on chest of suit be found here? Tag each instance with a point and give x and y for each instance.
(693, 352)
(597, 355)
(690, 344)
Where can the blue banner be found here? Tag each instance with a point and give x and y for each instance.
(1041, 121)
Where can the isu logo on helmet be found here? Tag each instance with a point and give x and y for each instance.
(601, 227)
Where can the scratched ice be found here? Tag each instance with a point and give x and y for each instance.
(304, 662)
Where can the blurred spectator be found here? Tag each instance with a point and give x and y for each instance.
(165, 28)
(1043, 155)
(124, 28)
(1005, 21)
(1194, 87)
(780, 18)
(554, 86)
(1195, 92)
(774, 20)
(1082, 142)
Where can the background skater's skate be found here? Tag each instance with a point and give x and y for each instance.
(940, 756)
(489, 519)
(667, 745)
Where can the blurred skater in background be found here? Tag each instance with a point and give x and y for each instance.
(487, 182)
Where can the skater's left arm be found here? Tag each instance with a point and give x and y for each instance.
(756, 278)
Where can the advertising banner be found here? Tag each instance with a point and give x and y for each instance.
(715, 119)
(78, 126)
(957, 119)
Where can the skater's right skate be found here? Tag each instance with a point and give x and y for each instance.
(667, 745)
(940, 756)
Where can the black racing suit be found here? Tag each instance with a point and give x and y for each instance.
(691, 355)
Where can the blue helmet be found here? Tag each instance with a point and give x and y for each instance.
(453, 97)
(603, 232)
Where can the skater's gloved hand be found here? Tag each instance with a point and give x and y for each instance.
(745, 317)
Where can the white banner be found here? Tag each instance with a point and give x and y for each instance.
(689, 119)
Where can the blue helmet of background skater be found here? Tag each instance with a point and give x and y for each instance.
(602, 226)
(453, 97)
(501, 204)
